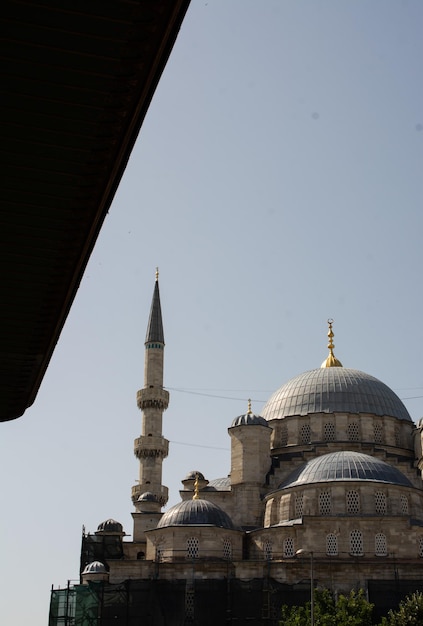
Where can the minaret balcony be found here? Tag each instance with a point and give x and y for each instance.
(153, 398)
(151, 446)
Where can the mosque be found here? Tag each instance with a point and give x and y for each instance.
(324, 490)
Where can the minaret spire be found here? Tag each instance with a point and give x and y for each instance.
(151, 447)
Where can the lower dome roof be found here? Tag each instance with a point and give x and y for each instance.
(196, 512)
(331, 390)
(342, 466)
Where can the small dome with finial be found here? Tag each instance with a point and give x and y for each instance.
(249, 419)
(331, 360)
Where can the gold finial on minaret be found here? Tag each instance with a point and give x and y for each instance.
(249, 407)
(196, 495)
(157, 274)
(331, 360)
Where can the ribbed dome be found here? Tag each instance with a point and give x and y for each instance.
(196, 512)
(110, 526)
(193, 475)
(94, 568)
(249, 419)
(334, 389)
(346, 465)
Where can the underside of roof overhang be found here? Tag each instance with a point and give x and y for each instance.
(78, 78)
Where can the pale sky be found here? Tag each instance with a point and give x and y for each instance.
(276, 182)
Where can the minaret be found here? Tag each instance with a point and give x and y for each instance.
(151, 448)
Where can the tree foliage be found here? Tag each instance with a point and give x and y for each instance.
(351, 610)
(409, 612)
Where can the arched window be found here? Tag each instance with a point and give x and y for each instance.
(267, 550)
(404, 505)
(305, 433)
(298, 512)
(380, 503)
(284, 435)
(356, 543)
(331, 544)
(380, 545)
(159, 552)
(288, 547)
(325, 503)
(329, 431)
(378, 432)
(192, 548)
(353, 431)
(227, 549)
(353, 502)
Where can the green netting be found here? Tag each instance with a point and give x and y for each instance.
(75, 606)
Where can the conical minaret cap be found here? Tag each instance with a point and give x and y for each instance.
(331, 360)
(155, 323)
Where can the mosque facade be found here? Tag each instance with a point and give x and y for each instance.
(324, 490)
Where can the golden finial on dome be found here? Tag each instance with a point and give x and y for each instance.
(331, 360)
(157, 274)
(249, 407)
(196, 495)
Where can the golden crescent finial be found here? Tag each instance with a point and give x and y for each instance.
(249, 406)
(157, 274)
(331, 360)
(196, 495)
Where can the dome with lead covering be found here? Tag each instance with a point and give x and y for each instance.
(147, 496)
(249, 419)
(196, 512)
(110, 526)
(334, 390)
(342, 466)
(96, 567)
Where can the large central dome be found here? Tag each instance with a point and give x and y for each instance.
(334, 390)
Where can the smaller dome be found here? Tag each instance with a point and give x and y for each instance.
(193, 475)
(249, 419)
(96, 567)
(110, 526)
(147, 496)
(344, 466)
(196, 512)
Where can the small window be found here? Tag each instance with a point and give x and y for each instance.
(380, 545)
(329, 431)
(192, 548)
(325, 503)
(305, 433)
(378, 432)
(331, 544)
(267, 550)
(284, 435)
(353, 502)
(227, 549)
(353, 431)
(356, 543)
(421, 547)
(288, 547)
(404, 505)
(380, 503)
(298, 505)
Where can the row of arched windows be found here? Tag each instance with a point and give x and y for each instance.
(355, 546)
(329, 433)
(352, 503)
(192, 549)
